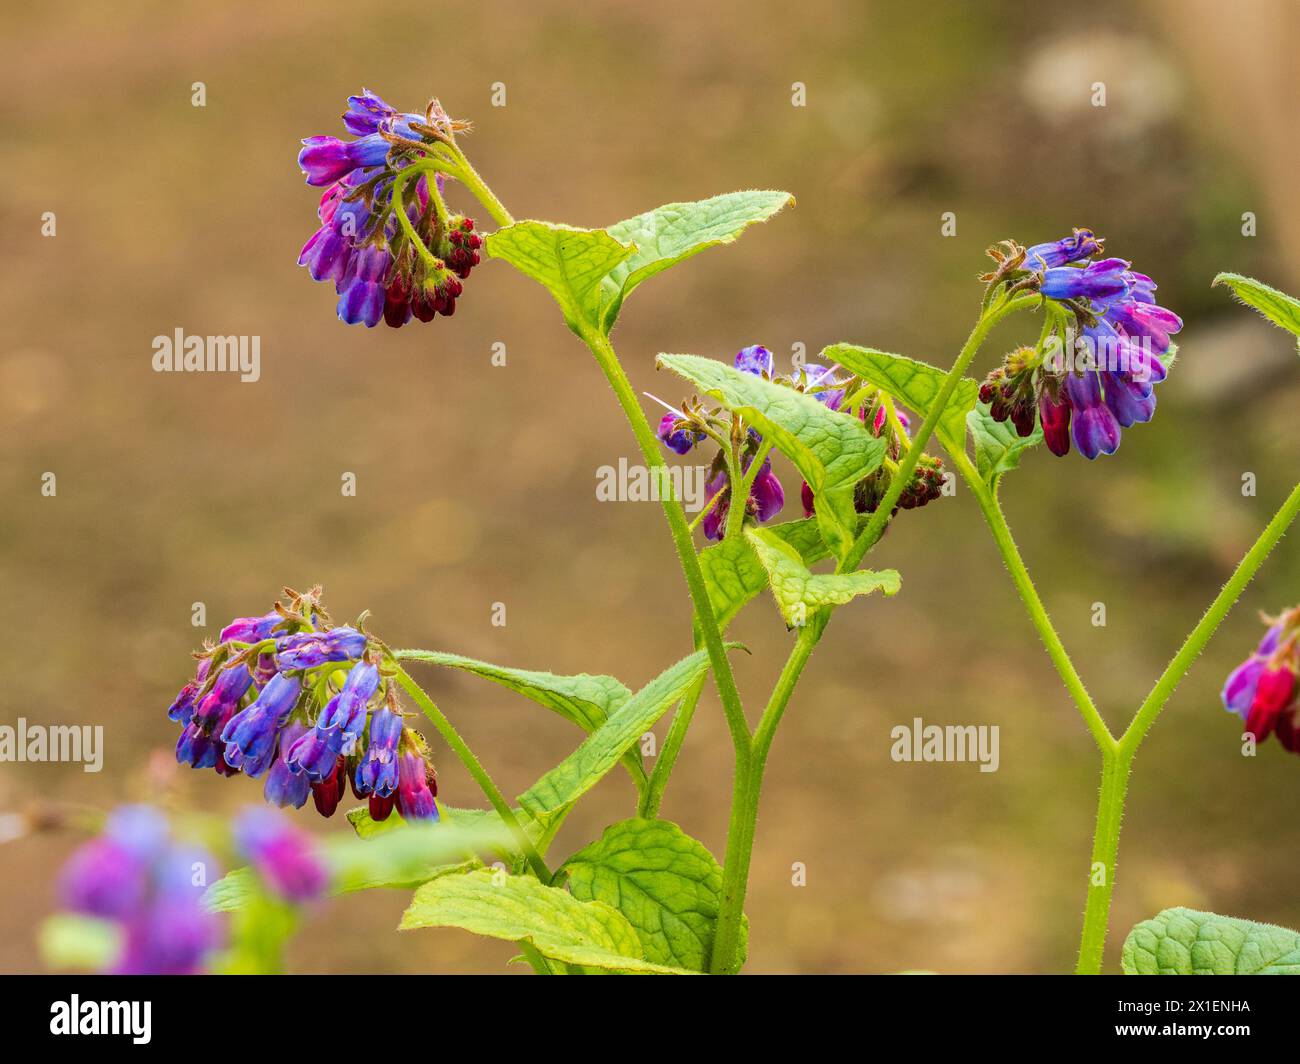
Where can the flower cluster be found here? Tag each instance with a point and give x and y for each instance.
(137, 877)
(1106, 346)
(309, 705)
(386, 239)
(1262, 689)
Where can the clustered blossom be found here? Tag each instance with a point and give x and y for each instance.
(1094, 372)
(1262, 689)
(681, 429)
(308, 705)
(136, 876)
(386, 264)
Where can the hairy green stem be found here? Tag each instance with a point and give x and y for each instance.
(653, 794)
(461, 749)
(470, 178)
(1115, 769)
(681, 533)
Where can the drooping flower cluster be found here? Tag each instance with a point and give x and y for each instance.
(308, 705)
(1106, 347)
(386, 238)
(136, 876)
(681, 429)
(1262, 689)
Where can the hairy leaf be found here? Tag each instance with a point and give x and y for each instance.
(1187, 942)
(998, 447)
(522, 909)
(663, 881)
(914, 384)
(1278, 307)
(585, 700)
(798, 592)
(666, 235)
(831, 450)
(570, 263)
(552, 795)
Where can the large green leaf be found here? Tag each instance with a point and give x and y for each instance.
(1278, 307)
(552, 795)
(666, 235)
(663, 881)
(914, 384)
(570, 263)
(799, 592)
(522, 909)
(998, 447)
(1187, 942)
(833, 451)
(585, 700)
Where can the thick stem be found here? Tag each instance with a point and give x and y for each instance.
(461, 749)
(1115, 769)
(747, 789)
(470, 178)
(681, 533)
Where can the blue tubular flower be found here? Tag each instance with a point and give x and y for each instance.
(679, 440)
(1081, 245)
(346, 712)
(182, 708)
(365, 112)
(1239, 689)
(285, 787)
(250, 735)
(283, 856)
(756, 359)
(1093, 426)
(306, 650)
(314, 755)
(327, 159)
(377, 772)
(1105, 279)
(231, 684)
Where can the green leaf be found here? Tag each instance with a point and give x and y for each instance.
(799, 592)
(80, 943)
(570, 263)
(663, 881)
(914, 384)
(734, 575)
(585, 700)
(666, 235)
(998, 447)
(1187, 942)
(1278, 307)
(580, 771)
(833, 451)
(522, 909)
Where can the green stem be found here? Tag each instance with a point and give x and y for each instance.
(461, 749)
(1115, 769)
(992, 510)
(681, 533)
(746, 791)
(876, 526)
(472, 181)
(653, 794)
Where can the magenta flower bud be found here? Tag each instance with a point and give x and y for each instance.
(250, 629)
(1273, 693)
(329, 792)
(327, 159)
(415, 801)
(283, 856)
(1055, 419)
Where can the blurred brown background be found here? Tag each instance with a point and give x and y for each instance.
(476, 484)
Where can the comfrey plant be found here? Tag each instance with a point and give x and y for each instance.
(311, 707)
